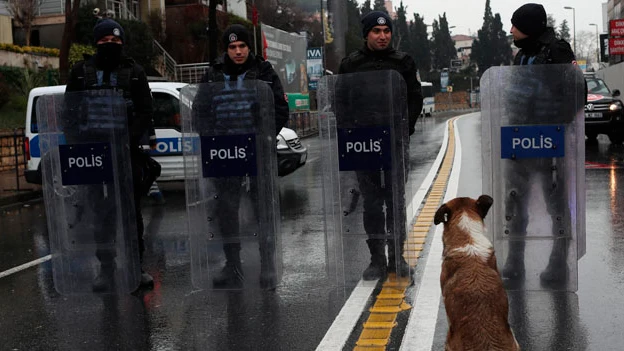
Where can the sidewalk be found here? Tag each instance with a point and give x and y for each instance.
(9, 193)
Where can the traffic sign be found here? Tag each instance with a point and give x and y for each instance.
(449, 89)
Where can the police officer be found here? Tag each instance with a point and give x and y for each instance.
(110, 68)
(238, 64)
(538, 45)
(378, 54)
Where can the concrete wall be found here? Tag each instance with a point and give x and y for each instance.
(15, 59)
(6, 30)
(613, 76)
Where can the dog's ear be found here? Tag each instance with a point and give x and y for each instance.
(484, 202)
(442, 214)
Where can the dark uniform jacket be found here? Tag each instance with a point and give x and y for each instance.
(254, 68)
(544, 50)
(365, 60)
(131, 79)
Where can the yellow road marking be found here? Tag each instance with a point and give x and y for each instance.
(390, 301)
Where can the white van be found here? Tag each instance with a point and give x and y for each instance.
(428, 99)
(167, 122)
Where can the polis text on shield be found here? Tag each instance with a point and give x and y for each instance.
(228, 154)
(85, 162)
(532, 143)
(364, 146)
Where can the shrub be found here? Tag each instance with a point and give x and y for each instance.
(5, 90)
(30, 50)
(77, 52)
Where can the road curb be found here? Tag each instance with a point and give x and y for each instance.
(19, 198)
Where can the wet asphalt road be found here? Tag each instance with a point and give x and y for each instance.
(296, 316)
(174, 316)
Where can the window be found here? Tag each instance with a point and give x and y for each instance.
(596, 86)
(34, 128)
(166, 111)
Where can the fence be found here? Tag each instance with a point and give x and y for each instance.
(12, 157)
(304, 123)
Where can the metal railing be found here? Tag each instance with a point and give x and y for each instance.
(165, 65)
(170, 69)
(191, 72)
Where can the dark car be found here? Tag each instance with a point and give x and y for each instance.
(603, 111)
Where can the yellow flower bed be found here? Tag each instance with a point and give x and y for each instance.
(30, 50)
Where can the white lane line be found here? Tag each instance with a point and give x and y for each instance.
(340, 330)
(25, 266)
(420, 329)
(343, 325)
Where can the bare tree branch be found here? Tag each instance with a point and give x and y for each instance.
(24, 12)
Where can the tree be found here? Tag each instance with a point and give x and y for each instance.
(24, 12)
(213, 31)
(443, 46)
(491, 47)
(401, 35)
(564, 31)
(380, 5)
(421, 49)
(71, 18)
(366, 8)
(585, 46)
(353, 40)
(550, 21)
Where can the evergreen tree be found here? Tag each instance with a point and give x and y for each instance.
(366, 8)
(401, 34)
(491, 47)
(564, 31)
(421, 49)
(501, 55)
(353, 38)
(443, 46)
(550, 21)
(380, 5)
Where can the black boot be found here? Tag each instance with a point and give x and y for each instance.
(377, 268)
(105, 280)
(231, 276)
(147, 281)
(268, 274)
(514, 265)
(401, 268)
(557, 270)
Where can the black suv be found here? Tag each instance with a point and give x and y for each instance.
(603, 111)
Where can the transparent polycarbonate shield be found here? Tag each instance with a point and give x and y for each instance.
(87, 186)
(533, 143)
(364, 133)
(232, 194)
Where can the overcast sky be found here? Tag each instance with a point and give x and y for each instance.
(467, 15)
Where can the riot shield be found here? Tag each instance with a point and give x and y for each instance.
(87, 183)
(363, 125)
(232, 196)
(533, 142)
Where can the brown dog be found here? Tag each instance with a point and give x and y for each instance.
(475, 300)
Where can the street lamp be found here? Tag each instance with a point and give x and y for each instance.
(573, 24)
(597, 43)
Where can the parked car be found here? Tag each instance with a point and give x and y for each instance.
(291, 153)
(603, 111)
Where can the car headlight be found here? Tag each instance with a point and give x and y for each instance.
(616, 106)
(281, 143)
